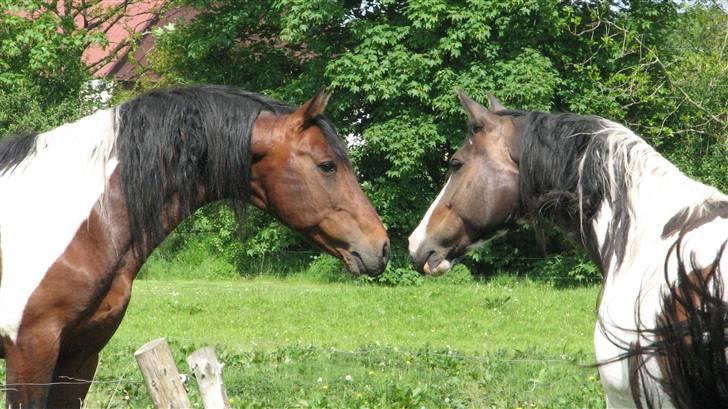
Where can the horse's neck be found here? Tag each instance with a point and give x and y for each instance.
(113, 212)
(634, 217)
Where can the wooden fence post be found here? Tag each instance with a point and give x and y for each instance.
(208, 371)
(161, 376)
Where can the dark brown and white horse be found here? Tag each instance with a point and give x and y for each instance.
(83, 205)
(658, 237)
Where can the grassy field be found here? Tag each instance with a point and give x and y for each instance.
(293, 343)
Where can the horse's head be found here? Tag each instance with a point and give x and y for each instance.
(300, 174)
(481, 194)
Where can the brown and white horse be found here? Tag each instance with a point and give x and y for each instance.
(85, 204)
(658, 237)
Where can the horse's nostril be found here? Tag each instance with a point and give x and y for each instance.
(385, 251)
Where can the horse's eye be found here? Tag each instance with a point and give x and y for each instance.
(327, 167)
(455, 164)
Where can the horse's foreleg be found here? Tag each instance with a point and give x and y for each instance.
(30, 362)
(72, 379)
(80, 352)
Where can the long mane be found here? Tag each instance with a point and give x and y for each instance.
(552, 148)
(177, 143)
(570, 165)
(15, 148)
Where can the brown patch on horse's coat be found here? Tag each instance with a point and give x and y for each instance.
(76, 308)
(690, 218)
(697, 282)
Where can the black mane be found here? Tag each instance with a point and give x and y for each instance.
(553, 148)
(175, 143)
(15, 148)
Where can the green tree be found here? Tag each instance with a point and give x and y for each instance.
(40, 66)
(44, 80)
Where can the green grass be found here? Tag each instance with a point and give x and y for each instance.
(288, 343)
(266, 314)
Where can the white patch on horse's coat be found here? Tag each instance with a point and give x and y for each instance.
(656, 191)
(600, 226)
(46, 199)
(418, 236)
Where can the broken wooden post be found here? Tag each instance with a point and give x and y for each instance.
(160, 375)
(208, 372)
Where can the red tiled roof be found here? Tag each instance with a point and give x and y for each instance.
(133, 18)
(118, 20)
(124, 69)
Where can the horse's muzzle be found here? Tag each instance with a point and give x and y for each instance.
(371, 262)
(430, 259)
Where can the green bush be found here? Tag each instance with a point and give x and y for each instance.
(561, 262)
(399, 276)
(327, 269)
(568, 269)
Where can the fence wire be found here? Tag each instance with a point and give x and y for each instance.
(562, 359)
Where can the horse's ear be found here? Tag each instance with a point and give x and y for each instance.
(495, 105)
(313, 107)
(477, 114)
